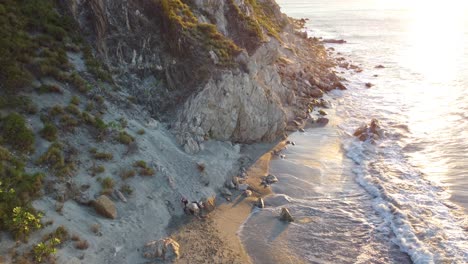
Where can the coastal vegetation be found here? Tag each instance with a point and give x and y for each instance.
(184, 28)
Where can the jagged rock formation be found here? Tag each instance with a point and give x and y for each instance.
(242, 79)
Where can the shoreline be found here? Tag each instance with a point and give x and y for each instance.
(215, 239)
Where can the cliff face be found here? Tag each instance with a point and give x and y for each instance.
(228, 70)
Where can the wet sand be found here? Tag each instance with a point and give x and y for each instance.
(215, 239)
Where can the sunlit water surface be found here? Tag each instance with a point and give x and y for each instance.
(405, 198)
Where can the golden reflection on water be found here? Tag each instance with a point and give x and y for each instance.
(436, 38)
(434, 52)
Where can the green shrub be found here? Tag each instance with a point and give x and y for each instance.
(46, 88)
(24, 222)
(73, 109)
(56, 110)
(126, 189)
(60, 232)
(103, 156)
(49, 132)
(97, 170)
(107, 183)
(124, 138)
(43, 250)
(144, 169)
(75, 100)
(140, 164)
(125, 174)
(68, 122)
(16, 133)
(17, 189)
(55, 159)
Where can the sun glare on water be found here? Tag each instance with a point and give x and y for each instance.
(436, 38)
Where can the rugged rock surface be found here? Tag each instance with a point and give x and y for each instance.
(271, 77)
(167, 249)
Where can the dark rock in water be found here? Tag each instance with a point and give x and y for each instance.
(375, 75)
(334, 41)
(270, 179)
(379, 67)
(322, 121)
(373, 131)
(301, 130)
(322, 112)
(260, 203)
(369, 85)
(286, 215)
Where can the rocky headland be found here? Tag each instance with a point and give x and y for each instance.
(112, 111)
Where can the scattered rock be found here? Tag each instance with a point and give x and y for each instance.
(209, 204)
(120, 195)
(229, 184)
(236, 181)
(105, 207)
(282, 156)
(316, 92)
(243, 187)
(369, 85)
(225, 192)
(247, 193)
(301, 130)
(260, 203)
(286, 215)
(270, 179)
(164, 248)
(372, 131)
(334, 41)
(322, 121)
(322, 112)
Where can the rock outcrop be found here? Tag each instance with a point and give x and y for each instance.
(167, 249)
(105, 207)
(285, 215)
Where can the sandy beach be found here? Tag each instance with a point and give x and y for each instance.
(215, 239)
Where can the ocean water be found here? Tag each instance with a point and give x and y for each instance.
(403, 199)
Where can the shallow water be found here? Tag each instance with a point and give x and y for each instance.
(405, 198)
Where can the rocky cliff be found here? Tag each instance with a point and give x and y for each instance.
(227, 70)
(83, 84)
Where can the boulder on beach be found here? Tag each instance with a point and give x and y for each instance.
(322, 121)
(105, 207)
(369, 85)
(286, 215)
(209, 204)
(166, 248)
(379, 66)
